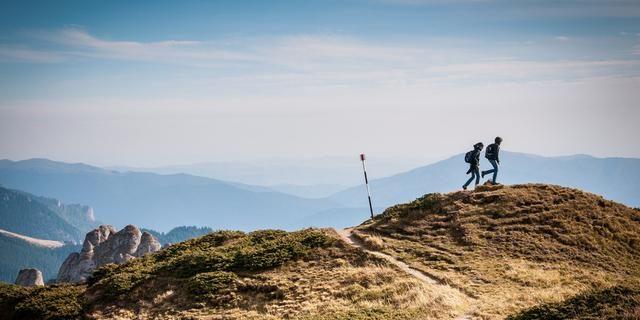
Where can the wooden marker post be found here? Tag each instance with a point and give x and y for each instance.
(366, 182)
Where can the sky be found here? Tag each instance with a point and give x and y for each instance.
(175, 82)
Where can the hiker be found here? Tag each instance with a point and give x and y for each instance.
(492, 154)
(473, 159)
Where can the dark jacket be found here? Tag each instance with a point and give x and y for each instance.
(495, 154)
(475, 160)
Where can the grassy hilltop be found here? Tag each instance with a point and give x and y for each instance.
(513, 247)
(524, 252)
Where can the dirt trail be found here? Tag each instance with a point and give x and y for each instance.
(348, 237)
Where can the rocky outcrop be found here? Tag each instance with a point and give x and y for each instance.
(30, 278)
(148, 243)
(104, 245)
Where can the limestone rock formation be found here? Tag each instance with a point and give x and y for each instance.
(29, 278)
(148, 243)
(104, 245)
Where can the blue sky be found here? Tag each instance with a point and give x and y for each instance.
(162, 82)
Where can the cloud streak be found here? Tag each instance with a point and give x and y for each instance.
(320, 60)
(77, 42)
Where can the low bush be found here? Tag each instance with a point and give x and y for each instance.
(50, 302)
(612, 303)
(211, 282)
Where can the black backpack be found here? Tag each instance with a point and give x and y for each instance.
(468, 157)
(490, 153)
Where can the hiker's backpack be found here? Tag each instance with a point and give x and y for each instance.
(490, 153)
(468, 157)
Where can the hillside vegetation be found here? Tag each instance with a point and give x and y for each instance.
(518, 252)
(617, 302)
(270, 274)
(513, 247)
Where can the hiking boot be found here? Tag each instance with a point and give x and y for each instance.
(464, 188)
(483, 173)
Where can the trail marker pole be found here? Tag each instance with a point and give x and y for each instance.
(366, 182)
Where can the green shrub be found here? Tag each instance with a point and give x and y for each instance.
(121, 283)
(211, 282)
(193, 263)
(49, 302)
(102, 272)
(272, 248)
(612, 303)
(9, 293)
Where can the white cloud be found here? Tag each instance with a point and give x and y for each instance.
(323, 60)
(23, 54)
(78, 42)
(561, 38)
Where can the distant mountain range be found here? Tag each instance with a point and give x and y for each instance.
(179, 234)
(617, 179)
(163, 201)
(314, 177)
(160, 202)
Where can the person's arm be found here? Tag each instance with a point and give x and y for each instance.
(498, 153)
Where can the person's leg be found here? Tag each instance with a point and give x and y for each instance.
(486, 172)
(494, 163)
(476, 173)
(468, 181)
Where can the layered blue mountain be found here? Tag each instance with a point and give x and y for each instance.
(18, 253)
(160, 202)
(38, 232)
(617, 179)
(43, 218)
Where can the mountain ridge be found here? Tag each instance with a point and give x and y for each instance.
(151, 200)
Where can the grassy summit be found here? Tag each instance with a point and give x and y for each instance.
(525, 251)
(513, 247)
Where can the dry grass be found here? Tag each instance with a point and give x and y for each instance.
(370, 241)
(335, 281)
(515, 247)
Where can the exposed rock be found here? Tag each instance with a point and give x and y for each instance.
(96, 237)
(148, 243)
(29, 278)
(119, 247)
(104, 245)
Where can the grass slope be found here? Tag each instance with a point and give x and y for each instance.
(308, 274)
(513, 247)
